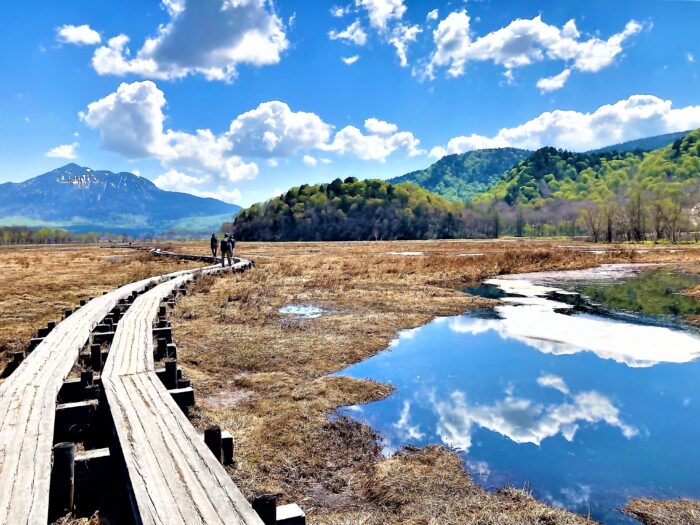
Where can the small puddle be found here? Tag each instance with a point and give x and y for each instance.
(302, 311)
(553, 388)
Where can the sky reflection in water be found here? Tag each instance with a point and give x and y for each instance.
(587, 429)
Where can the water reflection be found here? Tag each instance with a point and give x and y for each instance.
(524, 420)
(588, 411)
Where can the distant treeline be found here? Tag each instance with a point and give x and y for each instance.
(24, 235)
(360, 210)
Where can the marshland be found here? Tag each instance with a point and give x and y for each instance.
(310, 427)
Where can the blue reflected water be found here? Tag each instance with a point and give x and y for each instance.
(583, 432)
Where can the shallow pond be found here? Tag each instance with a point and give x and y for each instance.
(585, 409)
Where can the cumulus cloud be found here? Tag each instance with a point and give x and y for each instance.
(523, 420)
(635, 117)
(274, 130)
(82, 35)
(339, 11)
(174, 180)
(210, 38)
(310, 161)
(130, 122)
(521, 43)
(64, 151)
(353, 34)
(381, 140)
(554, 83)
(351, 59)
(433, 15)
(406, 430)
(381, 12)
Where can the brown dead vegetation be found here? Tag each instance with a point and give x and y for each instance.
(37, 283)
(659, 512)
(271, 371)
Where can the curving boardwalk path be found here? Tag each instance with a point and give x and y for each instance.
(202, 491)
(175, 479)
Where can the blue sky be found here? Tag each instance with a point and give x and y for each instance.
(242, 99)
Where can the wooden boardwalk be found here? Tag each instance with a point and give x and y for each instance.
(28, 410)
(174, 477)
(138, 400)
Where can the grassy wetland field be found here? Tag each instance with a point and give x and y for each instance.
(265, 376)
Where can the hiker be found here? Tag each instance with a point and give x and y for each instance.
(214, 244)
(226, 251)
(232, 242)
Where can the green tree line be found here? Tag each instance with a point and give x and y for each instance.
(24, 235)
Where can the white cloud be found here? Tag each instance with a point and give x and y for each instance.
(130, 122)
(521, 43)
(174, 180)
(82, 35)
(554, 83)
(64, 151)
(403, 425)
(690, 57)
(274, 130)
(523, 420)
(273, 163)
(381, 12)
(382, 140)
(351, 60)
(401, 36)
(635, 117)
(339, 11)
(552, 381)
(433, 15)
(353, 34)
(209, 38)
(310, 161)
(380, 127)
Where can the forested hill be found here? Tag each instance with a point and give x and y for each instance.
(551, 174)
(462, 176)
(355, 210)
(645, 144)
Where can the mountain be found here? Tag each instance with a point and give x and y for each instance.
(80, 199)
(645, 144)
(551, 174)
(353, 210)
(462, 176)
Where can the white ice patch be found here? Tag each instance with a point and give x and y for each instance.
(470, 255)
(407, 254)
(536, 321)
(303, 312)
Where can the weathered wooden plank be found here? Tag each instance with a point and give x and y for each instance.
(27, 409)
(174, 477)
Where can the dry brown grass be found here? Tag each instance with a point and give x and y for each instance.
(659, 512)
(37, 283)
(264, 376)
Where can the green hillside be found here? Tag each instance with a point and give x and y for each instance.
(462, 176)
(551, 174)
(645, 144)
(354, 210)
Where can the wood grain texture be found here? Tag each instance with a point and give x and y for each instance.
(28, 404)
(174, 477)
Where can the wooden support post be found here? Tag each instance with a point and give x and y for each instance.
(162, 311)
(66, 313)
(62, 480)
(183, 397)
(212, 438)
(42, 332)
(164, 332)
(226, 448)
(51, 325)
(266, 507)
(171, 351)
(92, 392)
(86, 378)
(96, 357)
(170, 374)
(83, 302)
(184, 383)
(34, 342)
(161, 348)
(17, 358)
(162, 322)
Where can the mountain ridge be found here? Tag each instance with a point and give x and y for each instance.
(78, 198)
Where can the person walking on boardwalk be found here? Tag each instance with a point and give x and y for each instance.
(226, 251)
(214, 244)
